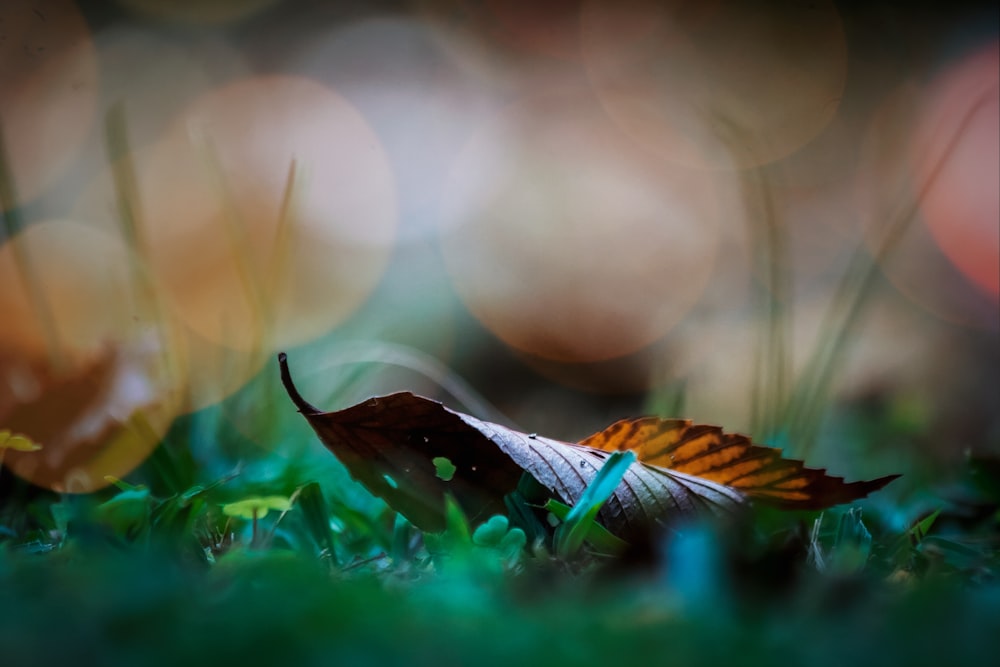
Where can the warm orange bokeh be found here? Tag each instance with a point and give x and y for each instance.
(48, 86)
(246, 254)
(960, 129)
(570, 243)
(392, 69)
(85, 369)
(242, 265)
(103, 417)
(719, 85)
(890, 204)
(66, 290)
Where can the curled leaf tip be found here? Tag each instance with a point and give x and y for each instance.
(304, 406)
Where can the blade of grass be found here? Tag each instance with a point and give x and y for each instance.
(255, 291)
(126, 185)
(132, 225)
(573, 531)
(284, 235)
(597, 535)
(521, 514)
(317, 517)
(14, 224)
(919, 531)
(814, 387)
(772, 365)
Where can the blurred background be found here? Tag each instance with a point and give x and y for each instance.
(779, 217)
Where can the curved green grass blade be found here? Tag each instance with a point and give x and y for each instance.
(581, 518)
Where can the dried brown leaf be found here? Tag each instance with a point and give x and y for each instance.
(390, 444)
(97, 418)
(759, 472)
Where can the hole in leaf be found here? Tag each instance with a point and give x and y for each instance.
(444, 468)
(390, 481)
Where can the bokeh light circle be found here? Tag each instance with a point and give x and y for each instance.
(48, 86)
(888, 197)
(567, 241)
(392, 70)
(244, 265)
(70, 275)
(85, 368)
(960, 125)
(720, 84)
(154, 75)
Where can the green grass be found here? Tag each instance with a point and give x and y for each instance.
(317, 572)
(99, 597)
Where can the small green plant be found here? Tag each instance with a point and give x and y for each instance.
(579, 523)
(256, 508)
(494, 546)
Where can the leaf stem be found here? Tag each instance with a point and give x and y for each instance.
(304, 406)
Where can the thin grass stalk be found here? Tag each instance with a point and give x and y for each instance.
(14, 224)
(133, 226)
(257, 294)
(853, 294)
(771, 375)
(284, 235)
(771, 369)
